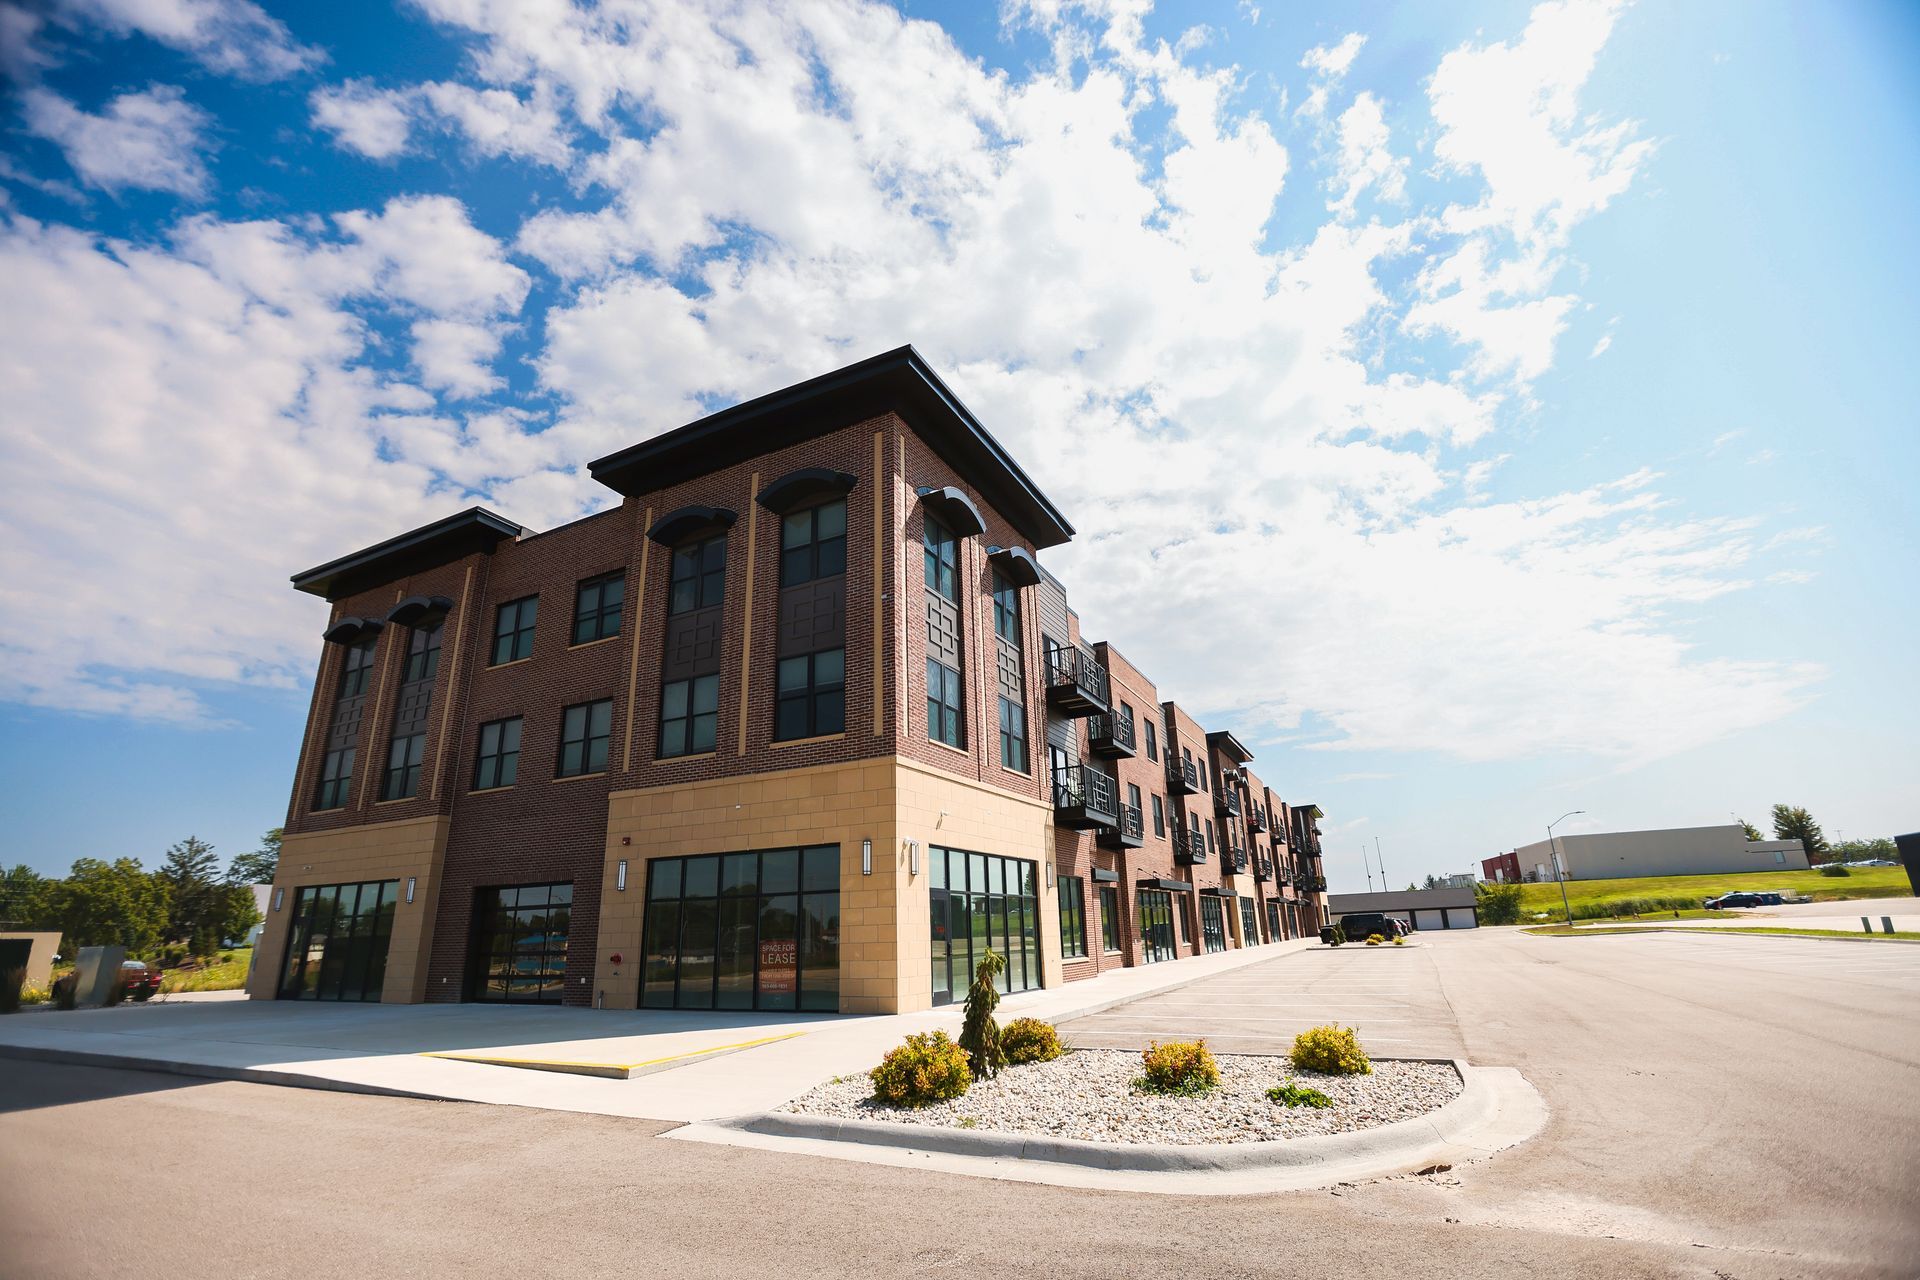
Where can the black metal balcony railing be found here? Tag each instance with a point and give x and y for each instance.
(1076, 683)
(1111, 735)
(1319, 884)
(1229, 801)
(1189, 845)
(1263, 868)
(1256, 817)
(1183, 778)
(1084, 797)
(1237, 860)
(1129, 833)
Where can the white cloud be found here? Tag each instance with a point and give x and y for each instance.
(1334, 60)
(151, 139)
(233, 37)
(1364, 159)
(362, 118)
(1600, 347)
(1086, 249)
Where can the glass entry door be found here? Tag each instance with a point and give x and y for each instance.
(1249, 924)
(1156, 925)
(519, 951)
(1274, 932)
(1213, 924)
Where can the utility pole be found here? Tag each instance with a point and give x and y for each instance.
(1384, 886)
(1368, 866)
(1560, 872)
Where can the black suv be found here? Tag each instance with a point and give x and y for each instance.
(1363, 925)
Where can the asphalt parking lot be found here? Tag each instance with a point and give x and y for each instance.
(1391, 994)
(1725, 1108)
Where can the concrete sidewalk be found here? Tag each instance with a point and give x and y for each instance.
(697, 1065)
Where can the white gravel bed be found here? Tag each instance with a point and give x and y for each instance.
(1088, 1094)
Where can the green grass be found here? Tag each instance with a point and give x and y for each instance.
(222, 975)
(1865, 882)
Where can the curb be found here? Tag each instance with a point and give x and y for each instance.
(212, 1071)
(1462, 1123)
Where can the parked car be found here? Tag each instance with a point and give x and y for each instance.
(141, 981)
(1738, 898)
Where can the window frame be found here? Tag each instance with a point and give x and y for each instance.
(586, 740)
(1159, 815)
(1110, 919)
(702, 579)
(1073, 915)
(341, 780)
(689, 718)
(604, 620)
(815, 550)
(525, 619)
(423, 652)
(402, 779)
(948, 679)
(811, 692)
(1153, 741)
(1006, 609)
(356, 668)
(504, 759)
(940, 565)
(1013, 737)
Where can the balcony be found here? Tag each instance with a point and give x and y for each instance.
(1111, 735)
(1228, 799)
(1189, 845)
(1235, 860)
(1183, 778)
(1084, 798)
(1256, 817)
(1319, 884)
(1129, 834)
(1076, 684)
(1263, 868)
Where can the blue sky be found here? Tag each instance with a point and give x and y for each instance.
(1525, 389)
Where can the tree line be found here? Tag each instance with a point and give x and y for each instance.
(187, 903)
(1792, 822)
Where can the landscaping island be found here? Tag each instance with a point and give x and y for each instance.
(1091, 1095)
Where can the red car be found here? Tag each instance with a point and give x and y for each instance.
(141, 981)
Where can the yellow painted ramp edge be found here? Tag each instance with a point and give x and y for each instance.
(611, 1070)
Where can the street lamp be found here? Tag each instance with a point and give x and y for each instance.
(1559, 871)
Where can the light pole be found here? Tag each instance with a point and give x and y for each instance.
(1367, 865)
(1560, 872)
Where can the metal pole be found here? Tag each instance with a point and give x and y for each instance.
(1368, 866)
(1384, 886)
(1560, 872)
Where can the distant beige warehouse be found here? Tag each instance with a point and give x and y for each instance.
(1675, 851)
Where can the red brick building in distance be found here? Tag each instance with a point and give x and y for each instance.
(800, 723)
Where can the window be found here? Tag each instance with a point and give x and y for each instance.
(689, 715)
(337, 941)
(1073, 918)
(1133, 797)
(519, 948)
(1186, 754)
(743, 931)
(596, 607)
(1013, 735)
(811, 699)
(1006, 610)
(355, 669)
(813, 543)
(698, 578)
(584, 730)
(978, 901)
(942, 558)
(1109, 917)
(943, 703)
(403, 767)
(336, 772)
(499, 760)
(1159, 817)
(513, 630)
(1209, 835)
(1153, 743)
(423, 654)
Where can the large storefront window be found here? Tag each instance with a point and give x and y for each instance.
(1155, 914)
(981, 901)
(744, 931)
(1249, 924)
(1213, 924)
(1274, 931)
(337, 942)
(520, 944)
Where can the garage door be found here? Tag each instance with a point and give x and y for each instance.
(1429, 918)
(1460, 918)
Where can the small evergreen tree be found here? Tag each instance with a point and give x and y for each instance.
(1794, 823)
(1753, 832)
(980, 1034)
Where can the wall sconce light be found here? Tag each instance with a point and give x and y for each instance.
(913, 857)
(866, 857)
(620, 876)
(1049, 870)
(410, 882)
(279, 896)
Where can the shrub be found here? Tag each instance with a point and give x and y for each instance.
(1374, 939)
(980, 1034)
(1030, 1040)
(1499, 903)
(1399, 942)
(30, 994)
(1834, 869)
(1295, 1095)
(66, 990)
(1331, 1050)
(1337, 937)
(928, 1068)
(1181, 1067)
(11, 983)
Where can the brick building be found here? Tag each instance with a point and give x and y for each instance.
(801, 723)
